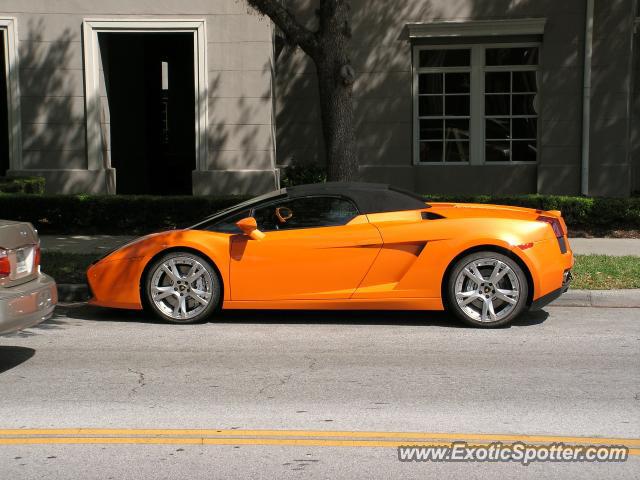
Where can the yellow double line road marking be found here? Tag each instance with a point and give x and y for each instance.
(320, 438)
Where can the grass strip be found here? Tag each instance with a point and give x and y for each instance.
(603, 272)
(67, 267)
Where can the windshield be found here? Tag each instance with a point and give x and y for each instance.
(240, 206)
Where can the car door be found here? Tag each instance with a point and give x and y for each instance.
(314, 248)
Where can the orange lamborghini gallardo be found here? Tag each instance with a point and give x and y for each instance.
(344, 246)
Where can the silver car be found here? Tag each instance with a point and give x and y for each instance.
(27, 296)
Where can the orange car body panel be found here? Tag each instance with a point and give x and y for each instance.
(395, 260)
(306, 264)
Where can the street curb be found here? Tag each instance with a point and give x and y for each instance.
(73, 292)
(79, 292)
(629, 298)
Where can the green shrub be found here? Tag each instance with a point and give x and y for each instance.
(302, 173)
(578, 212)
(110, 215)
(132, 215)
(26, 185)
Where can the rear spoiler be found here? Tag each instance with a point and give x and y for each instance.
(550, 213)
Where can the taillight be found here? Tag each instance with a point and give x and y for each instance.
(555, 224)
(36, 258)
(5, 266)
(558, 230)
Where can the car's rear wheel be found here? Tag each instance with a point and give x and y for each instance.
(182, 287)
(487, 289)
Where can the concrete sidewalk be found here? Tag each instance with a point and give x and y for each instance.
(616, 247)
(99, 244)
(103, 243)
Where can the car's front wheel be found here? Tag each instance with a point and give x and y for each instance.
(487, 289)
(182, 287)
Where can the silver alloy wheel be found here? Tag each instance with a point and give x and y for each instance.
(181, 287)
(487, 289)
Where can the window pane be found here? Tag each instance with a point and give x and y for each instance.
(525, 151)
(445, 58)
(496, 104)
(524, 105)
(497, 82)
(497, 128)
(430, 106)
(458, 82)
(431, 151)
(497, 151)
(457, 105)
(525, 82)
(457, 129)
(431, 129)
(306, 213)
(524, 128)
(512, 56)
(430, 83)
(457, 152)
(266, 218)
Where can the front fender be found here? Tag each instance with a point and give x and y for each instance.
(115, 280)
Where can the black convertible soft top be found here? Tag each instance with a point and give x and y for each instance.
(368, 197)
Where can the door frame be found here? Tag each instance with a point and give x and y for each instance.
(91, 27)
(9, 32)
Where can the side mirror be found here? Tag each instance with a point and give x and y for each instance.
(250, 228)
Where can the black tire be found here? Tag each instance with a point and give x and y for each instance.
(479, 295)
(206, 287)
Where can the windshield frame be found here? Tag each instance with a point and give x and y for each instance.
(246, 205)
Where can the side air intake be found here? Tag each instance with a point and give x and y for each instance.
(431, 216)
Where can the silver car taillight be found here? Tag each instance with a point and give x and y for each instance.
(5, 266)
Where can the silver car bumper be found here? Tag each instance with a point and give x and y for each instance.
(28, 304)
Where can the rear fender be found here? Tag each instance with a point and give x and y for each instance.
(429, 271)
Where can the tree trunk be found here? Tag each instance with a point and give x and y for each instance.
(329, 48)
(335, 82)
(336, 106)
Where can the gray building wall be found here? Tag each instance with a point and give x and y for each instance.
(244, 117)
(383, 97)
(634, 127)
(241, 146)
(611, 97)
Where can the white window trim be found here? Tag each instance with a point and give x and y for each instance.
(91, 28)
(9, 31)
(477, 137)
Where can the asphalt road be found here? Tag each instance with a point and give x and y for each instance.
(564, 372)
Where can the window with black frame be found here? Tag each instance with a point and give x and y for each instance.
(511, 104)
(444, 108)
(476, 104)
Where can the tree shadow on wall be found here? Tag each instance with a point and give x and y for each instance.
(52, 105)
(381, 56)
